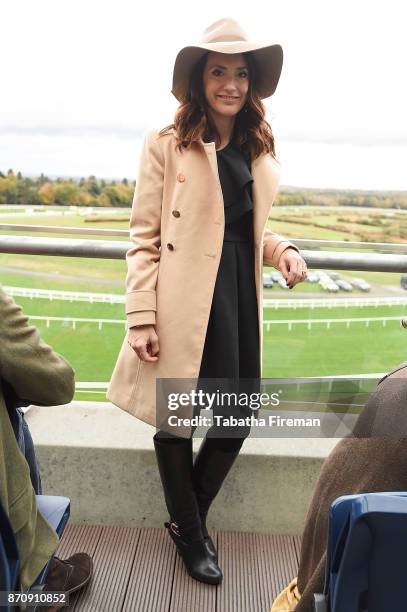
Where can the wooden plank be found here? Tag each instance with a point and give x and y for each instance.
(113, 560)
(256, 568)
(297, 546)
(237, 559)
(189, 594)
(277, 565)
(78, 538)
(140, 570)
(150, 582)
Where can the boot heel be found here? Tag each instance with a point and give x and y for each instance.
(211, 548)
(198, 563)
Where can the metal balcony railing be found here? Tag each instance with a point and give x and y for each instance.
(388, 247)
(115, 249)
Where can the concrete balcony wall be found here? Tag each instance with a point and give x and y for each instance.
(104, 460)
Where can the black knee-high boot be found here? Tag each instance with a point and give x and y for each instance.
(174, 458)
(212, 464)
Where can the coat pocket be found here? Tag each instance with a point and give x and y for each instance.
(125, 377)
(136, 370)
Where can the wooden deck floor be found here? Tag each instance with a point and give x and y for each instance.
(139, 570)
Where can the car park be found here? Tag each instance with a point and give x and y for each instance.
(333, 275)
(361, 284)
(282, 283)
(267, 281)
(343, 285)
(313, 277)
(328, 285)
(275, 276)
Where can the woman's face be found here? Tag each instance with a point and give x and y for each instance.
(225, 75)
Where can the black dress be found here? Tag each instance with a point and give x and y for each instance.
(231, 349)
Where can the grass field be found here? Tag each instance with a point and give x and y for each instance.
(299, 352)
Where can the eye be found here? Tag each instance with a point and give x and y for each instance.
(244, 73)
(216, 70)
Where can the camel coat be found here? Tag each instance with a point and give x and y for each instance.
(177, 227)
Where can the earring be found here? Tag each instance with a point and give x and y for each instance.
(246, 108)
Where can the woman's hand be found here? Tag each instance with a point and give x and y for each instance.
(292, 267)
(144, 341)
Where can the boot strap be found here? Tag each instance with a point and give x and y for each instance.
(174, 527)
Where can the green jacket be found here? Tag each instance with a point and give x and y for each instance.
(39, 376)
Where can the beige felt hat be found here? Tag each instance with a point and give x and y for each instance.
(227, 36)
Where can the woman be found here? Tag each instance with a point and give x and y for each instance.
(204, 192)
(371, 459)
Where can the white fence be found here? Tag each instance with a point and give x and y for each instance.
(111, 298)
(75, 320)
(335, 302)
(99, 388)
(268, 323)
(328, 322)
(70, 296)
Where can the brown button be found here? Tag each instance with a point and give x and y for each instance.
(180, 177)
(176, 213)
(170, 246)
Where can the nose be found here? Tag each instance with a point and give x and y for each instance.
(230, 86)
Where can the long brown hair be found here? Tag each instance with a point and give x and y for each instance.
(251, 133)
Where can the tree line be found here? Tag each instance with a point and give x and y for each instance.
(90, 191)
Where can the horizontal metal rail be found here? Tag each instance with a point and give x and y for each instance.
(109, 249)
(302, 243)
(53, 229)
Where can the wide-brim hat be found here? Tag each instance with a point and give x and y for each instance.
(227, 36)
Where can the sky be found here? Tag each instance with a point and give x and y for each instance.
(82, 81)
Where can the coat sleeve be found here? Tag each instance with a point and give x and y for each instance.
(274, 244)
(34, 370)
(273, 247)
(145, 232)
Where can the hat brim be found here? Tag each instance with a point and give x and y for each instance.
(269, 62)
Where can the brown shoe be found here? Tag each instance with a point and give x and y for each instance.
(69, 575)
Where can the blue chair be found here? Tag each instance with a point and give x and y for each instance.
(367, 537)
(56, 511)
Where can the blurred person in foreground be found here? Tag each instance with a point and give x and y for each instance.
(371, 459)
(31, 373)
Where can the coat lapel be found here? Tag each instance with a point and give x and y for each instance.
(265, 175)
(266, 178)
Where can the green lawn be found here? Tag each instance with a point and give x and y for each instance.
(299, 352)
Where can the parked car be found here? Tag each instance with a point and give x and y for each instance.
(282, 283)
(324, 278)
(360, 283)
(267, 281)
(403, 281)
(275, 276)
(333, 275)
(344, 285)
(328, 285)
(313, 277)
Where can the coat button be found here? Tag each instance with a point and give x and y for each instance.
(170, 246)
(176, 213)
(180, 177)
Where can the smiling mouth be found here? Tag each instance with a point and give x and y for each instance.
(229, 97)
